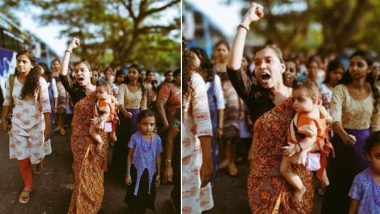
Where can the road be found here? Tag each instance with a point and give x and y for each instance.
(54, 186)
(230, 193)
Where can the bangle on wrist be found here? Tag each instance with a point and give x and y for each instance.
(67, 50)
(244, 27)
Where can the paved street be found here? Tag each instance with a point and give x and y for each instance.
(230, 193)
(53, 187)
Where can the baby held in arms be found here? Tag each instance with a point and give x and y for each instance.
(307, 136)
(105, 115)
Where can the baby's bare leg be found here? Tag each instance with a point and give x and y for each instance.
(94, 134)
(293, 179)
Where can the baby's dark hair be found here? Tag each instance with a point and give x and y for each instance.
(145, 113)
(311, 88)
(104, 84)
(372, 141)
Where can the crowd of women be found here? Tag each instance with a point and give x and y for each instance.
(265, 94)
(38, 101)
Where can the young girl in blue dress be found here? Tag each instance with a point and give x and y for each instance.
(365, 190)
(143, 165)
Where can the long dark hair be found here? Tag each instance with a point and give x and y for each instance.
(332, 66)
(47, 71)
(187, 71)
(139, 80)
(347, 79)
(206, 65)
(31, 84)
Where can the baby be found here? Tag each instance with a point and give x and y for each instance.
(105, 113)
(307, 137)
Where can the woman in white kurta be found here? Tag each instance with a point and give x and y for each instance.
(196, 145)
(30, 118)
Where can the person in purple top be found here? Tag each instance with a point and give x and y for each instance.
(143, 165)
(365, 190)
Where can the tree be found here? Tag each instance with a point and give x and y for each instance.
(121, 28)
(341, 24)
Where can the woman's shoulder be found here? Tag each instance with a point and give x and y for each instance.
(340, 88)
(196, 77)
(364, 177)
(42, 81)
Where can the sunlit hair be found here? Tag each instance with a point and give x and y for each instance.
(276, 50)
(85, 62)
(311, 88)
(145, 113)
(104, 85)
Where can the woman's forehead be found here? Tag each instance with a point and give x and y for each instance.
(23, 57)
(265, 53)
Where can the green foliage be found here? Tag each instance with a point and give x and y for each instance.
(343, 24)
(117, 30)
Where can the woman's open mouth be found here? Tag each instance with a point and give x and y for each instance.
(80, 79)
(265, 76)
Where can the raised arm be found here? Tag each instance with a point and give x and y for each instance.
(239, 79)
(254, 13)
(75, 42)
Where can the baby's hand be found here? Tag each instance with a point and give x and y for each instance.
(128, 180)
(158, 180)
(290, 150)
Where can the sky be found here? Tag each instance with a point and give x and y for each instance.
(216, 10)
(49, 33)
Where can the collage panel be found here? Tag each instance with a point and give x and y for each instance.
(291, 123)
(91, 97)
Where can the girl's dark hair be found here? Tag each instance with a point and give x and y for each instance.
(347, 79)
(187, 71)
(372, 141)
(140, 80)
(312, 59)
(206, 65)
(31, 84)
(119, 73)
(145, 113)
(176, 72)
(55, 60)
(154, 85)
(222, 42)
(104, 84)
(332, 66)
(47, 71)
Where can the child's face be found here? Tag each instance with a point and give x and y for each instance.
(302, 102)
(374, 158)
(101, 93)
(147, 124)
(120, 78)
